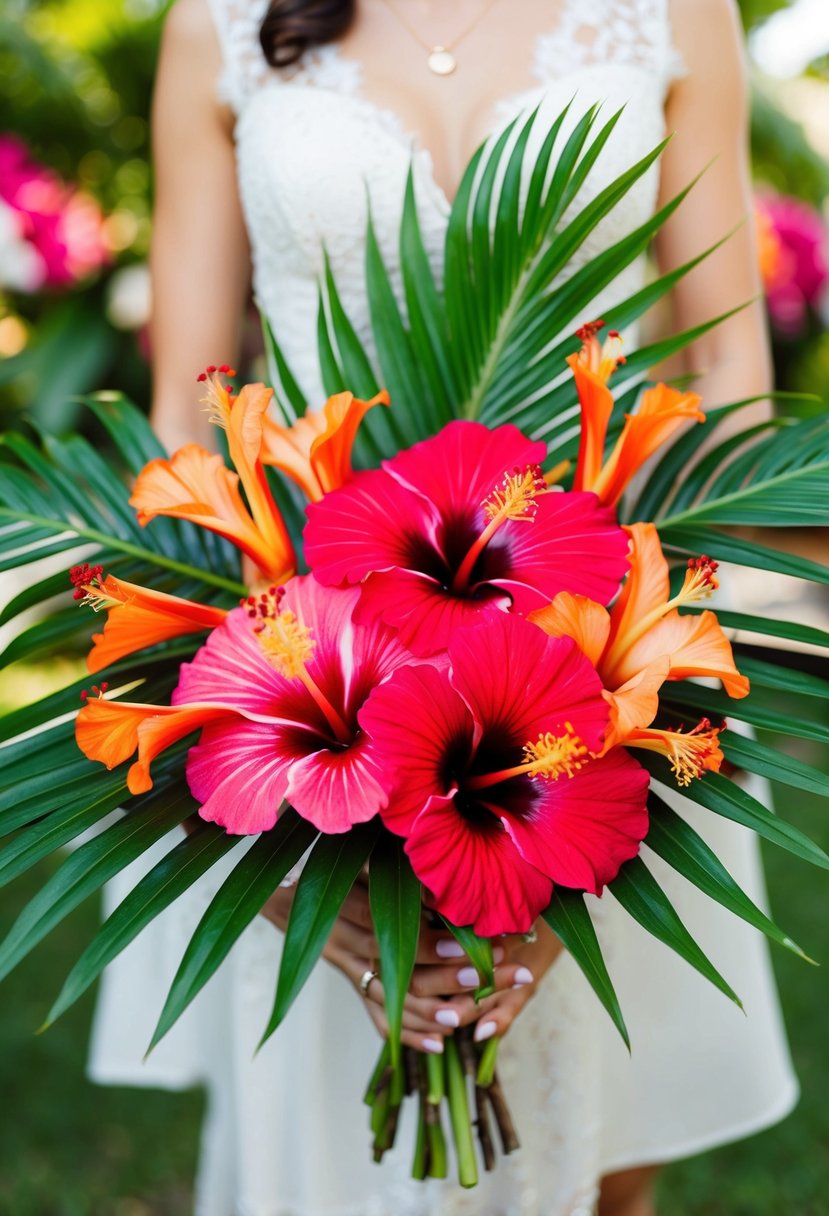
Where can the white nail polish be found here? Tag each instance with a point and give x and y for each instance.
(485, 1030)
(447, 1017)
(498, 954)
(468, 977)
(522, 976)
(447, 947)
(433, 1045)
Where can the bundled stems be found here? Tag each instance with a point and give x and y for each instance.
(461, 1071)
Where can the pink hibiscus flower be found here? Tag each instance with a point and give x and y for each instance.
(496, 791)
(294, 657)
(458, 528)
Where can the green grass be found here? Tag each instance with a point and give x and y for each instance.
(68, 1148)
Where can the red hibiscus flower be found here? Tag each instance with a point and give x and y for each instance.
(295, 670)
(494, 786)
(458, 528)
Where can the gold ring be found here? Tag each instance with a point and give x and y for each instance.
(365, 981)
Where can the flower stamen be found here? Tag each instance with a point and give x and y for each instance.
(690, 754)
(218, 399)
(550, 757)
(512, 499)
(288, 646)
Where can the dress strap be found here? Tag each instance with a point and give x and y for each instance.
(244, 67)
(630, 32)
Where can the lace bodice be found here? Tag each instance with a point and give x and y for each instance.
(314, 150)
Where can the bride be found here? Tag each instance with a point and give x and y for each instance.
(265, 158)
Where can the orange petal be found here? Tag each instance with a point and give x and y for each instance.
(646, 587)
(245, 438)
(288, 448)
(138, 617)
(634, 705)
(596, 402)
(331, 451)
(577, 617)
(696, 646)
(316, 451)
(661, 412)
(195, 485)
(111, 731)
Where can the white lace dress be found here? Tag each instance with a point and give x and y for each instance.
(286, 1133)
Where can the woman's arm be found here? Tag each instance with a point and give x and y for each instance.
(708, 112)
(199, 261)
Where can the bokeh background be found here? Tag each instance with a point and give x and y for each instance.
(75, 205)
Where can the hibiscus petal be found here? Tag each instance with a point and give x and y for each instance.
(373, 523)
(459, 468)
(583, 828)
(474, 873)
(334, 790)
(418, 724)
(231, 667)
(573, 544)
(576, 617)
(238, 771)
(518, 681)
(426, 615)
(695, 646)
(635, 704)
(646, 587)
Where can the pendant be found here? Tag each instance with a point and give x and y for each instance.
(441, 61)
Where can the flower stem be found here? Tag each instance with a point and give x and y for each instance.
(482, 1125)
(379, 1068)
(434, 1073)
(459, 1114)
(506, 1127)
(420, 1162)
(487, 1062)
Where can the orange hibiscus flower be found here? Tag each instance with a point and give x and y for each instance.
(316, 451)
(642, 641)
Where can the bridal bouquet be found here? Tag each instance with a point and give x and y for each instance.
(462, 649)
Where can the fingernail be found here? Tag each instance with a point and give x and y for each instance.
(447, 1017)
(498, 954)
(485, 1030)
(447, 947)
(522, 976)
(468, 977)
(433, 1045)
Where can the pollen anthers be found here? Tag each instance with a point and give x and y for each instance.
(286, 643)
(218, 399)
(700, 580)
(553, 756)
(97, 692)
(602, 358)
(690, 753)
(84, 578)
(515, 497)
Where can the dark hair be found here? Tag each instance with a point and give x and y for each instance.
(291, 26)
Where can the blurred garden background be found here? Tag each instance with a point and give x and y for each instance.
(75, 205)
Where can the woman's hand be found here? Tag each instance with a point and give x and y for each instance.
(352, 948)
(519, 967)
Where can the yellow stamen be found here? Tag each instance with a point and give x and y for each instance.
(288, 646)
(218, 401)
(690, 754)
(286, 643)
(550, 757)
(554, 755)
(514, 499)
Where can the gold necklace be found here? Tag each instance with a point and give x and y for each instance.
(441, 59)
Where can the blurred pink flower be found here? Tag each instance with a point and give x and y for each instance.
(793, 259)
(53, 232)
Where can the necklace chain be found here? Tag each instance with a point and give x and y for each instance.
(441, 59)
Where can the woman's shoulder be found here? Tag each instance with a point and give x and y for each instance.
(704, 20)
